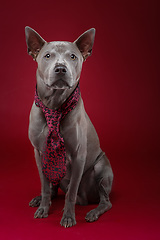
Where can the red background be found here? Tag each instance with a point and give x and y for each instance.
(120, 88)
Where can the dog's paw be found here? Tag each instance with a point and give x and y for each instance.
(42, 212)
(35, 202)
(92, 216)
(68, 221)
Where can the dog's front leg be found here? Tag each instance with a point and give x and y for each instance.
(78, 162)
(42, 211)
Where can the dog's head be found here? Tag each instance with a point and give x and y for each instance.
(59, 62)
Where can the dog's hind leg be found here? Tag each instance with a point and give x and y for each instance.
(104, 178)
(43, 201)
(35, 202)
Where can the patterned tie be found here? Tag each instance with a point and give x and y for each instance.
(54, 153)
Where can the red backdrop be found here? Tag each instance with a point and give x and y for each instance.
(120, 88)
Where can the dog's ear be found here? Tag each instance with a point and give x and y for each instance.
(34, 42)
(85, 42)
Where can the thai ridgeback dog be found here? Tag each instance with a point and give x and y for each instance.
(88, 177)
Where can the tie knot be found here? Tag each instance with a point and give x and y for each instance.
(53, 120)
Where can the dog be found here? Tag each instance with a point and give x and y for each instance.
(87, 174)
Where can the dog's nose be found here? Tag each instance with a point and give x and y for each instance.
(60, 69)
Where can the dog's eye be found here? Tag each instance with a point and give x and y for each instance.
(73, 57)
(47, 56)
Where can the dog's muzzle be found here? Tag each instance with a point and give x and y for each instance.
(60, 84)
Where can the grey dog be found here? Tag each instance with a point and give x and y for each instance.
(89, 174)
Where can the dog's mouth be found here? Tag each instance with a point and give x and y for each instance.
(59, 84)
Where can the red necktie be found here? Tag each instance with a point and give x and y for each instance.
(54, 153)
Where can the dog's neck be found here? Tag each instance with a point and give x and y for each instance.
(52, 98)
